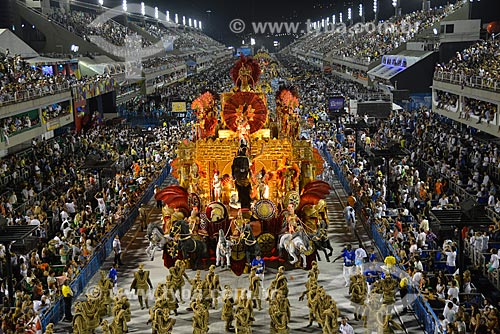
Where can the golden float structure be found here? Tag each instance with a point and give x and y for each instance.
(237, 126)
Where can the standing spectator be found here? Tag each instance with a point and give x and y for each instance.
(68, 298)
(117, 248)
(451, 256)
(449, 312)
(493, 265)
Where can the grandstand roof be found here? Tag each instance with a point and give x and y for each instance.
(16, 46)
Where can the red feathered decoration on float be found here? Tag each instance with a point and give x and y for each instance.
(246, 68)
(242, 108)
(175, 197)
(205, 107)
(313, 192)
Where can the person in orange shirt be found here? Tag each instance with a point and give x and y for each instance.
(438, 188)
(351, 200)
(423, 193)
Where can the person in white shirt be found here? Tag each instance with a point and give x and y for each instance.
(449, 312)
(493, 265)
(359, 258)
(485, 239)
(70, 206)
(451, 256)
(453, 291)
(345, 328)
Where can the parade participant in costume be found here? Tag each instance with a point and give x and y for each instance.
(311, 291)
(255, 289)
(349, 256)
(141, 285)
(281, 282)
(358, 292)
(279, 320)
(243, 316)
(243, 311)
(212, 283)
(227, 313)
(200, 317)
(178, 274)
(241, 170)
(143, 217)
(195, 284)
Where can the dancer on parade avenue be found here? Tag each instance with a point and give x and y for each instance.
(141, 285)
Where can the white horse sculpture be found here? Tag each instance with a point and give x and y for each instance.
(223, 250)
(295, 244)
(156, 239)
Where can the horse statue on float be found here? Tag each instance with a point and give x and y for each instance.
(157, 240)
(223, 251)
(296, 244)
(185, 243)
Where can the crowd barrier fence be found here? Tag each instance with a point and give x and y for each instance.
(56, 312)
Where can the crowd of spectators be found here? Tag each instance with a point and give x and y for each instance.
(478, 60)
(55, 110)
(14, 124)
(184, 38)
(446, 100)
(367, 45)
(484, 111)
(399, 203)
(19, 80)
(73, 216)
(80, 23)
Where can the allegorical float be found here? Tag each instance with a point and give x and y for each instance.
(247, 182)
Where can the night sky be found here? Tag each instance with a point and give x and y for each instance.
(216, 14)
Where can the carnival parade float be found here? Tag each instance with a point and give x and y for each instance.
(247, 182)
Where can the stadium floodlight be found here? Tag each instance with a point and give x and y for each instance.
(101, 2)
(143, 9)
(334, 18)
(375, 6)
(360, 9)
(176, 18)
(183, 20)
(252, 41)
(167, 16)
(323, 23)
(124, 5)
(199, 25)
(349, 13)
(190, 22)
(394, 3)
(340, 17)
(327, 20)
(156, 13)
(195, 24)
